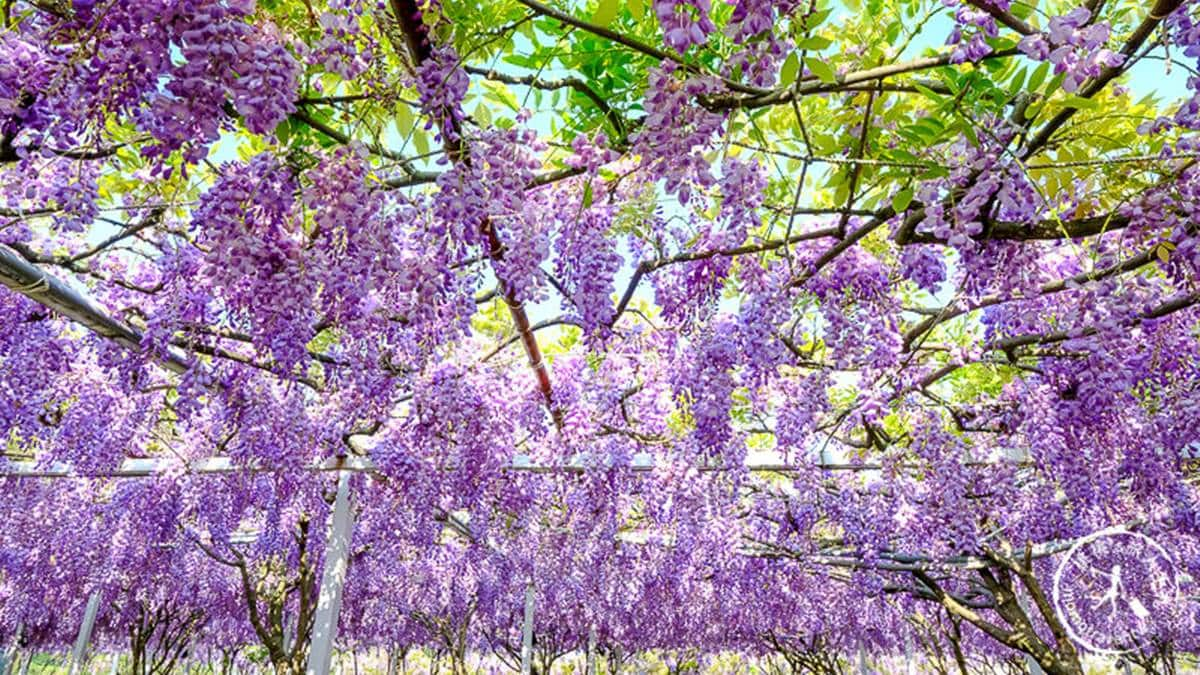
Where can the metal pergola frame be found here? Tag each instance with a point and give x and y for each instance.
(642, 463)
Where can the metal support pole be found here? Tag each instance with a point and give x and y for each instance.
(391, 660)
(591, 651)
(329, 602)
(527, 633)
(11, 656)
(15, 652)
(910, 664)
(862, 661)
(289, 634)
(79, 653)
(116, 661)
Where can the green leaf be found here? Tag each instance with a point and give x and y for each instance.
(606, 11)
(969, 132)
(1039, 76)
(284, 131)
(817, 18)
(421, 142)
(1018, 82)
(483, 115)
(405, 120)
(1163, 251)
(500, 94)
(521, 60)
(789, 71)
(902, 199)
(934, 172)
(928, 129)
(587, 194)
(929, 93)
(814, 43)
(1081, 103)
(822, 70)
(637, 8)
(902, 155)
(893, 31)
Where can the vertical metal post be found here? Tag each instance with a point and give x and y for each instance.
(329, 602)
(591, 652)
(116, 660)
(25, 664)
(527, 633)
(79, 653)
(10, 656)
(289, 634)
(15, 653)
(862, 660)
(910, 665)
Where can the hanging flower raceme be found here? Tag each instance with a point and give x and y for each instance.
(256, 265)
(337, 51)
(586, 263)
(25, 68)
(684, 22)
(441, 85)
(1075, 46)
(675, 133)
(225, 58)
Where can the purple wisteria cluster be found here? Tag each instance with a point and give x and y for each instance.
(685, 23)
(224, 58)
(1075, 45)
(973, 26)
(339, 50)
(442, 84)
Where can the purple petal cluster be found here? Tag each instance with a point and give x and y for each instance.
(1075, 46)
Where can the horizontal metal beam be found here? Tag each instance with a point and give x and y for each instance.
(642, 462)
(31, 281)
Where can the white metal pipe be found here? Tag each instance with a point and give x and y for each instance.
(79, 653)
(22, 276)
(527, 633)
(145, 467)
(329, 602)
(591, 652)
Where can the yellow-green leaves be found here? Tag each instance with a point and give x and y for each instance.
(790, 70)
(902, 199)
(605, 12)
(822, 70)
(1163, 251)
